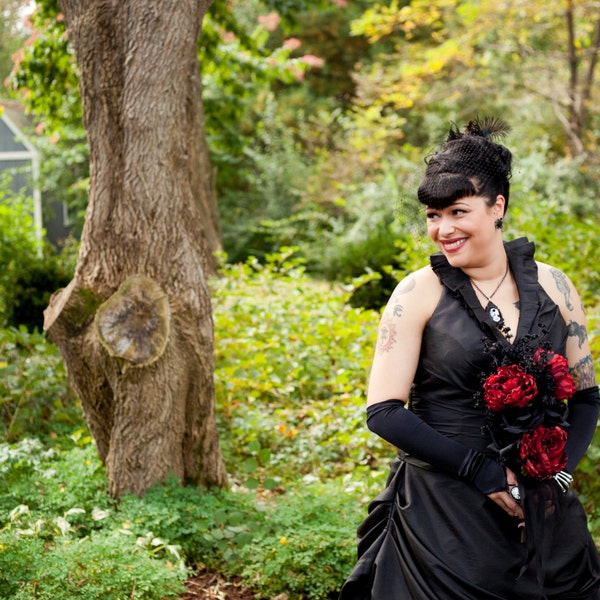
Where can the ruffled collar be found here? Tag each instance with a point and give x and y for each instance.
(520, 254)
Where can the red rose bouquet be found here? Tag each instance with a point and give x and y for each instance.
(526, 398)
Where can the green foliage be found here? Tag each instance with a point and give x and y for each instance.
(49, 480)
(57, 537)
(306, 546)
(237, 66)
(376, 233)
(29, 274)
(64, 172)
(209, 527)
(32, 288)
(35, 398)
(290, 376)
(97, 549)
(47, 70)
(300, 543)
(18, 244)
(274, 172)
(355, 228)
(64, 567)
(559, 216)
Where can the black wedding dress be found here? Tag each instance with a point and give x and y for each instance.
(431, 536)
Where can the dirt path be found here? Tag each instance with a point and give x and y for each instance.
(209, 586)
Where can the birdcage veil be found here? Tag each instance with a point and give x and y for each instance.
(469, 163)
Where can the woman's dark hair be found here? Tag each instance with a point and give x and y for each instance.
(468, 164)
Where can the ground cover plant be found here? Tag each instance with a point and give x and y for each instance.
(292, 361)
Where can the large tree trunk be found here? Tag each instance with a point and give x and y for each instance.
(135, 324)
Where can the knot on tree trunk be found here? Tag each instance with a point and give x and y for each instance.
(134, 323)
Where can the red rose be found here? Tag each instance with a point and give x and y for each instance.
(565, 386)
(509, 387)
(559, 368)
(543, 452)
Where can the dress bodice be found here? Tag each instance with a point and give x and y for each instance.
(452, 359)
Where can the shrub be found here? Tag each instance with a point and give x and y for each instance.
(563, 239)
(35, 398)
(209, 526)
(58, 525)
(59, 538)
(292, 360)
(32, 288)
(30, 272)
(307, 544)
(18, 245)
(96, 567)
(51, 480)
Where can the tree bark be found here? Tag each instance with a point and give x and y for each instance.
(148, 225)
(579, 93)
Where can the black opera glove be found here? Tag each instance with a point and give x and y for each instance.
(392, 421)
(584, 406)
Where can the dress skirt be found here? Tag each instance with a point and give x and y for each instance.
(430, 536)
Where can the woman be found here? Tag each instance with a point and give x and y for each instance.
(459, 518)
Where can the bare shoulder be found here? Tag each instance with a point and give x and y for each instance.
(559, 287)
(417, 295)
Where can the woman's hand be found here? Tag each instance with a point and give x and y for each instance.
(505, 501)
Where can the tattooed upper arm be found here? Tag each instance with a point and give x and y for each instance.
(563, 286)
(562, 291)
(401, 327)
(388, 327)
(579, 331)
(387, 336)
(583, 373)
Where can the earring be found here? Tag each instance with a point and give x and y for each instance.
(499, 223)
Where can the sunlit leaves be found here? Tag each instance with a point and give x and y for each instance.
(46, 71)
(468, 51)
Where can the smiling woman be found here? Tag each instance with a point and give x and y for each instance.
(462, 515)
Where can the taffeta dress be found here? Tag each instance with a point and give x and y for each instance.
(432, 536)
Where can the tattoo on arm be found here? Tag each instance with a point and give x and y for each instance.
(387, 335)
(583, 373)
(563, 286)
(397, 310)
(387, 328)
(577, 330)
(405, 286)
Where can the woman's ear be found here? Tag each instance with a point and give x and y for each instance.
(500, 205)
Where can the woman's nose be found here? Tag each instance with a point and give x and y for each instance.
(445, 226)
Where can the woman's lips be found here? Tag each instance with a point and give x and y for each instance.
(453, 245)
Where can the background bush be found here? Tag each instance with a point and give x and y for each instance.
(35, 399)
(30, 270)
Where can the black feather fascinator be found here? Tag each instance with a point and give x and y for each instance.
(487, 127)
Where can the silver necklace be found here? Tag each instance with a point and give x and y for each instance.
(492, 310)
